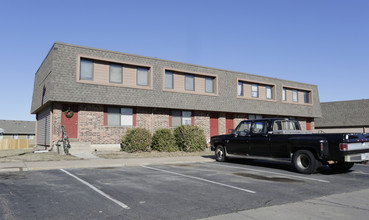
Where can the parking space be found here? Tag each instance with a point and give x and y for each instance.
(176, 191)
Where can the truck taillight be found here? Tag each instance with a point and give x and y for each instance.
(321, 146)
(343, 147)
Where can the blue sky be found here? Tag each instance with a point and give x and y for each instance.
(321, 42)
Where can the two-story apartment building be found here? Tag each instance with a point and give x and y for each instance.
(98, 94)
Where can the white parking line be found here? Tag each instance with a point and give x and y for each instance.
(97, 190)
(264, 171)
(197, 178)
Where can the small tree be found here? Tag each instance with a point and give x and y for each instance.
(163, 140)
(136, 140)
(190, 138)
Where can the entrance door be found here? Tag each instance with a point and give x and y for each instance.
(70, 120)
(214, 127)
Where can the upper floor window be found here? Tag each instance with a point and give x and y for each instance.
(240, 88)
(255, 90)
(115, 73)
(169, 80)
(284, 95)
(86, 69)
(306, 97)
(1, 136)
(209, 85)
(295, 96)
(142, 76)
(268, 92)
(190, 82)
(15, 136)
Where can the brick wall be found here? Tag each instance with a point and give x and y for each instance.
(202, 119)
(91, 126)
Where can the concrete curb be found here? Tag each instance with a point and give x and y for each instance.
(97, 163)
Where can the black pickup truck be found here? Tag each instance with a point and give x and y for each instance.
(283, 138)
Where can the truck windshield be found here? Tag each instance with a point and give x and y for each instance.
(286, 125)
(244, 126)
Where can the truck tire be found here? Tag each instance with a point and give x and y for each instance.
(304, 162)
(341, 166)
(220, 154)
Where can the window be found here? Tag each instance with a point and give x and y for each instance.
(30, 136)
(181, 118)
(295, 97)
(117, 116)
(255, 90)
(190, 82)
(284, 96)
(286, 125)
(244, 126)
(306, 97)
(1, 136)
(115, 73)
(142, 76)
(253, 117)
(269, 92)
(86, 70)
(15, 136)
(168, 79)
(259, 127)
(209, 85)
(240, 89)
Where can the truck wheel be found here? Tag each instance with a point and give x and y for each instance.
(220, 154)
(341, 166)
(304, 162)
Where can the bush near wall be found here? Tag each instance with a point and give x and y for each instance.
(163, 140)
(136, 140)
(190, 138)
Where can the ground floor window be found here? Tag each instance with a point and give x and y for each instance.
(118, 116)
(181, 118)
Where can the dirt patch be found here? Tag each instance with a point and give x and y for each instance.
(27, 155)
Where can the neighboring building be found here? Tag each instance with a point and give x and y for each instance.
(10, 129)
(98, 94)
(344, 116)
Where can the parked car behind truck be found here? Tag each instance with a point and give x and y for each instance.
(283, 138)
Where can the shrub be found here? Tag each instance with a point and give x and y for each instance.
(135, 140)
(163, 140)
(190, 138)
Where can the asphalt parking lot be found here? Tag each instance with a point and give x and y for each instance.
(175, 191)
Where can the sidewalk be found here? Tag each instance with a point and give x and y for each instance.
(97, 163)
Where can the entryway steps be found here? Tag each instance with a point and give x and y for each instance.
(81, 150)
